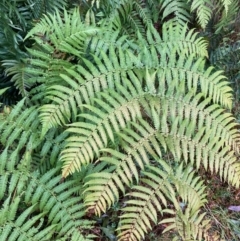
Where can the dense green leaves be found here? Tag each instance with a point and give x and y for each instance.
(120, 108)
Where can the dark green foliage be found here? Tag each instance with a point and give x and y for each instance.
(17, 18)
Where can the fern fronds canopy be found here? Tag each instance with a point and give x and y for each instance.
(116, 110)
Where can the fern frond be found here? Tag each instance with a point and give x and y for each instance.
(70, 38)
(127, 16)
(21, 227)
(43, 70)
(228, 17)
(107, 40)
(185, 125)
(112, 112)
(11, 180)
(53, 143)
(81, 87)
(47, 200)
(20, 78)
(178, 8)
(21, 127)
(153, 196)
(82, 84)
(212, 83)
(190, 227)
(226, 4)
(203, 9)
(62, 210)
(174, 36)
(100, 195)
(143, 12)
(41, 7)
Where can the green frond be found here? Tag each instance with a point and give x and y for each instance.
(52, 146)
(127, 16)
(187, 124)
(69, 38)
(190, 188)
(20, 78)
(211, 83)
(175, 36)
(229, 17)
(227, 4)
(143, 12)
(21, 227)
(153, 196)
(20, 127)
(111, 113)
(108, 40)
(190, 227)
(62, 210)
(11, 180)
(203, 9)
(45, 200)
(101, 194)
(41, 7)
(179, 9)
(82, 84)
(227, 57)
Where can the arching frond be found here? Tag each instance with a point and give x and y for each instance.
(112, 112)
(108, 93)
(21, 227)
(20, 77)
(82, 84)
(179, 9)
(177, 37)
(100, 195)
(203, 9)
(62, 210)
(20, 127)
(153, 196)
(69, 39)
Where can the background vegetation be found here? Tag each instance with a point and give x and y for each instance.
(119, 120)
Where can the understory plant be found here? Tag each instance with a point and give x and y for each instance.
(120, 112)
